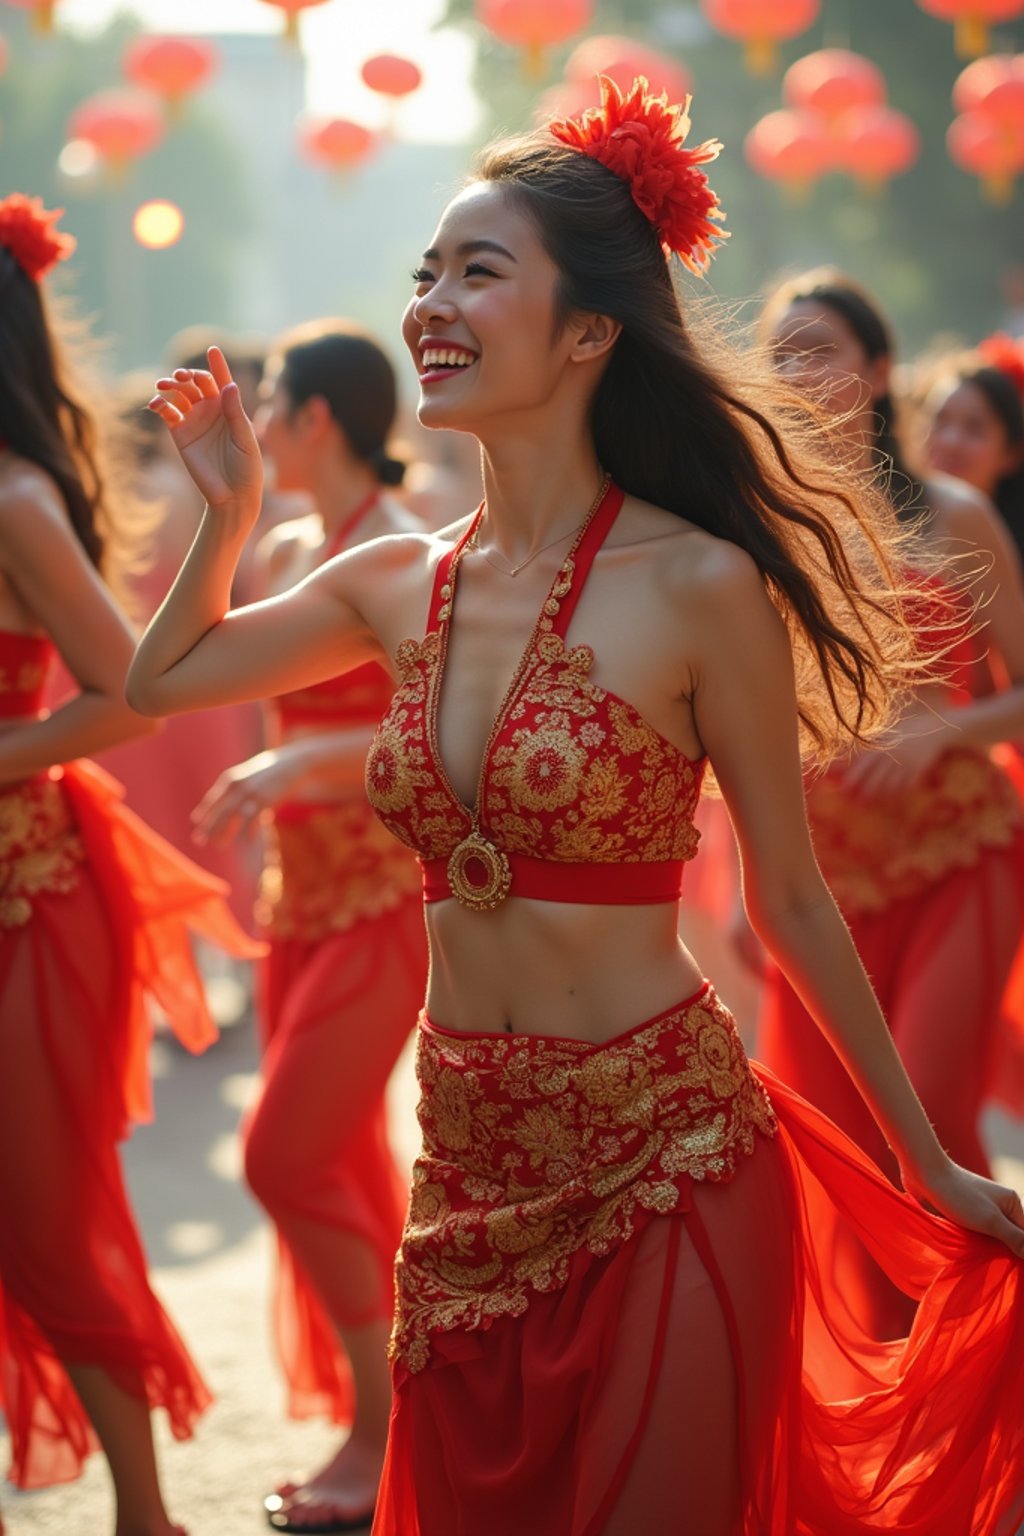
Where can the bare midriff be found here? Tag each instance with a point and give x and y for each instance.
(555, 968)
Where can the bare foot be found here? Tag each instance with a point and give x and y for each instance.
(345, 1489)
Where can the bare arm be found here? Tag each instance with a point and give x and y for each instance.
(967, 525)
(745, 708)
(998, 716)
(197, 653)
(45, 563)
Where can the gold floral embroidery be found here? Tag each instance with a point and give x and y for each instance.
(536, 1149)
(575, 774)
(402, 785)
(40, 848)
(327, 867)
(875, 851)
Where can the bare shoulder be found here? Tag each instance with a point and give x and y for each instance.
(281, 542)
(692, 565)
(413, 552)
(959, 510)
(964, 521)
(30, 503)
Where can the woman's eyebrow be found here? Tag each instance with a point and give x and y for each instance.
(470, 248)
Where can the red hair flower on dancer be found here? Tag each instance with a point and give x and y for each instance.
(642, 139)
(1006, 354)
(28, 231)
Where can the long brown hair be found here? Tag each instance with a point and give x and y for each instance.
(44, 420)
(689, 421)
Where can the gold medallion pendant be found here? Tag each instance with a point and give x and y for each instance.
(479, 874)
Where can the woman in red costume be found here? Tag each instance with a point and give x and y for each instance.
(610, 1315)
(93, 914)
(922, 847)
(975, 425)
(345, 974)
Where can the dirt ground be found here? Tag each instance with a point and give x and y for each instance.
(209, 1251)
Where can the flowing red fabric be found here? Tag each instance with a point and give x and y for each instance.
(689, 1371)
(340, 991)
(940, 932)
(336, 1014)
(94, 917)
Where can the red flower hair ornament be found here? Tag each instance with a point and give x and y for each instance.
(642, 139)
(27, 231)
(1005, 354)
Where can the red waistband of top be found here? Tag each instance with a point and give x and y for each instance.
(624, 885)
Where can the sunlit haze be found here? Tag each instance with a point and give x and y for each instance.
(336, 38)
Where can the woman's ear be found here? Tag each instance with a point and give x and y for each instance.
(314, 417)
(594, 337)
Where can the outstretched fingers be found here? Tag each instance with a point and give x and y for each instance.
(219, 367)
(168, 413)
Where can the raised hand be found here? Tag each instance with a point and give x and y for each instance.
(211, 431)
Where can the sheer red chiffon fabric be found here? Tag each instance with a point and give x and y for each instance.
(939, 927)
(337, 1013)
(692, 1370)
(95, 914)
(340, 991)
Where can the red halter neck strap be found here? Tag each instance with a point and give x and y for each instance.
(351, 523)
(594, 535)
(591, 540)
(444, 566)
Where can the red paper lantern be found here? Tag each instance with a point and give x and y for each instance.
(993, 86)
(876, 143)
(336, 142)
(790, 147)
(291, 9)
(622, 60)
(833, 81)
(42, 12)
(120, 125)
(172, 67)
(534, 25)
(971, 19)
(389, 75)
(761, 24)
(978, 144)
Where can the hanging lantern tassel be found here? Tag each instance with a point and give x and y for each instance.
(997, 188)
(535, 62)
(761, 55)
(970, 36)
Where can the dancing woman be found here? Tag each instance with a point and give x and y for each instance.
(975, 425)
(347, 964)
(606, 1271)
(93, 914)
(922, 846)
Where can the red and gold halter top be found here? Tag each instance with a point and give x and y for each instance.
(579, 799)
(25, 662)
(358, 697)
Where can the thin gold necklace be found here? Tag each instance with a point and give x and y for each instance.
(474, 542)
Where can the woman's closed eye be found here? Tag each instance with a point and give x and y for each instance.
(473, 269)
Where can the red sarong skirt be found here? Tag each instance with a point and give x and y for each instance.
(611, 1318)
(95, 913)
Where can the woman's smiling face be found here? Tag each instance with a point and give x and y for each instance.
(481, 327)
(966, 437)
